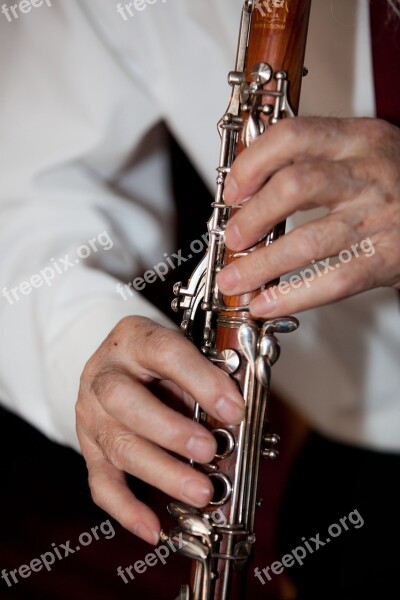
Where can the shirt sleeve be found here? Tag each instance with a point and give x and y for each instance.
(68, 234)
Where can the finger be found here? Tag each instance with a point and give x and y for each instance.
(110, 491)
(296, 187)
(135, 407)
(172, 389)
(173, 396)
(343, 281)
(289, 141)
(153, 351)
(132, 454)
(302, 246)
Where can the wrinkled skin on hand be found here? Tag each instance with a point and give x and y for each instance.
(349, 166)
(123, 427)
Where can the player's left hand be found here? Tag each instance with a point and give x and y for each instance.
(349, 166)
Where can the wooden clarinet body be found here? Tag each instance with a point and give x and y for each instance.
(266, 87)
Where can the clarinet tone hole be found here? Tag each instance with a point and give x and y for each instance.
(222, 489)
(225, 443)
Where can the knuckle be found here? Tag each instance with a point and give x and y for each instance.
(123, 324)
(128, 329)
(161, 343)
(380, 135)
(87, 374)
(96, 481)
(158, 341)
(95, 489)
(378, 130)
(311, 241)
(130, 324)
(120, 335)
(85, 414)
(98, 364)
(121, 446)
(115, 446)
(292, 182)
(103, 439)
(80, 411)
(103, 384)
(292, 128)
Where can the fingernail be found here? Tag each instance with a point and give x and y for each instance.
(200, 448)
(229, 410)
(233, 239)
(196, 493)
(149, 535)
(231, 190)
(228, 278)
(263, 306)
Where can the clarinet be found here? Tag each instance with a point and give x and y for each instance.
(266, 86)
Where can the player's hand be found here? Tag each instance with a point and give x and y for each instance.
(124, 428)
(349, 166)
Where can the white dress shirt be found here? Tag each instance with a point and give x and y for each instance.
(83, 93)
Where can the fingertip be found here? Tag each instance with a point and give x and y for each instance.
(228, 278)
(111, 493)
(197, 493)
(148, 534)
(263, 307)
(230, 410)
(201, 447)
